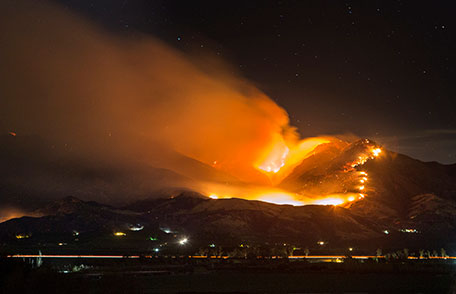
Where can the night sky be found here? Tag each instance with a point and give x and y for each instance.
(378, 69)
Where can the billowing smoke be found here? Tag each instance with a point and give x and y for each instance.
(106, 100)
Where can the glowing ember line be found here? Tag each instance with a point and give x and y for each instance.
(329, 201)
(279, 198)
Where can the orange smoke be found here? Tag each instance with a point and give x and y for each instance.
(113, 98)
(8, 213)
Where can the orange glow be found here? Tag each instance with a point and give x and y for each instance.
(276, 158)
(12, 134)
(330, 201)
(119, 234)
(279, 159)
(261, 193)
(275, 195)
(361, 188)
(7, 213)
(280, 198)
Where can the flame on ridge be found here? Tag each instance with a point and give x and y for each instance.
(281, 157)
(279, 161)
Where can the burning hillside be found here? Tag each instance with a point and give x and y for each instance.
(101, 105)
(117, 119)
(328, 173)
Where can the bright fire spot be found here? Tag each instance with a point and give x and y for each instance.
(361, 188)
(213, 196)
(376, 151)
(365, 179)
(279, 198)
(363, 173)
(276, 159)
(119, 234)
(361, 196)
(351, 198)
(329, 201)
(361, 181)
(284, 155)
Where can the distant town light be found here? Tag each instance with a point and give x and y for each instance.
(166, 230)
(153, 238)
(321, 243)
(386, 232)
(136, 227)
(212, 245)
(156, 249)
(119, 234)
(22, 236)
(350, 249)
(183, 241)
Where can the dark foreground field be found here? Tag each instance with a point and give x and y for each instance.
(224, 278)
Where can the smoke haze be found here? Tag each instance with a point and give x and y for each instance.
(94, 99)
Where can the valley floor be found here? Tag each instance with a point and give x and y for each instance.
(222, 277)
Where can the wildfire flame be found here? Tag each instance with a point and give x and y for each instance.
(376, 151)
(280, 158)
(280, 198)
(276, 159)
(330, 201)
(164, 98)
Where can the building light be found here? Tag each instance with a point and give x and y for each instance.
(22, 236)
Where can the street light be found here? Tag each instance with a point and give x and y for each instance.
(183, 241)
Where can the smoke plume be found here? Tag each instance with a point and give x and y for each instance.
(103, 99)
